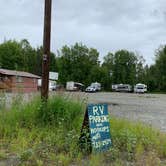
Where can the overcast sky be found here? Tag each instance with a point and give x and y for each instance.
(107, 25)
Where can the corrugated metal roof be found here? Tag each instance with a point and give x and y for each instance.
(17, 73)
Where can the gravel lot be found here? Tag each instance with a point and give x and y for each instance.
(148, 108)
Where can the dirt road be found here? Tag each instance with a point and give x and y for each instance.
(148, 108)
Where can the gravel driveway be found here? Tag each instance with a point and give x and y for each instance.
(148, 108)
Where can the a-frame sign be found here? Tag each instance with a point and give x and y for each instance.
(95, 131)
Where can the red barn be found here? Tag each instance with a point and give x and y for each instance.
(18, 81)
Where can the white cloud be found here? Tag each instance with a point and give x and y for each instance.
(107, 25)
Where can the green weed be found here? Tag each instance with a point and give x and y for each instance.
(48, 134)
(137, 139)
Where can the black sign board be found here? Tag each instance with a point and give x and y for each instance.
(97, 127)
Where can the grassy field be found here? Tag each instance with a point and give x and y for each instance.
(39, 134)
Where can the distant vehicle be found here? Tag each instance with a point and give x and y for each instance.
(74, 86)
(122, 88)
(94, 87)
(90, 89)
(114, 87)
(51, 85)
(140, 88)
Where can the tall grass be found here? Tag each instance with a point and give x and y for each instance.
(39, 134)
(136, 141)
(57, 111)
(42, 131)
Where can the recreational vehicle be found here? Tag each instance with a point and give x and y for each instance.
(122, 88)
(74, 86)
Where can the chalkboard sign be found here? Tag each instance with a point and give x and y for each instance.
(96, 121)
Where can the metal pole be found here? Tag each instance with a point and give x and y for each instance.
(46, 49)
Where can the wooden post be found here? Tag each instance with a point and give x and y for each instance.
(46, 49)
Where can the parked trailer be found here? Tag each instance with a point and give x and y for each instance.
(74, 86)
(122, 88)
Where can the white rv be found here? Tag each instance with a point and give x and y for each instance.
(122, 88)
(140, 88)
(74, 86)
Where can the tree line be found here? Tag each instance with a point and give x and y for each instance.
(81, 64)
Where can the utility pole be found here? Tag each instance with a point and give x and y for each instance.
(46, 49)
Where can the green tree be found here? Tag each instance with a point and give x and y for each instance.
(22, 56)
(11, 55)
(124, 70)
(77, 63)
(122, 67)
(141, 70)
(160, 67)
(150, 78)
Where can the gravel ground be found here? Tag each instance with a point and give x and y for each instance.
(148, 108)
